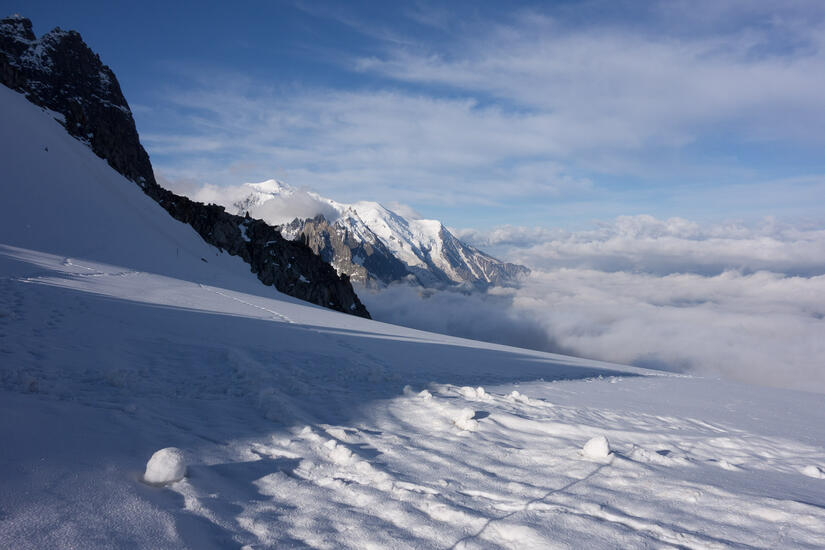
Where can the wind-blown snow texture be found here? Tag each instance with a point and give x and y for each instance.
(303, 427)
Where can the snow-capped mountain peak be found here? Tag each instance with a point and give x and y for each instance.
(368, 241)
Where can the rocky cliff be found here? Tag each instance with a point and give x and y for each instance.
(61, 73)
(365, 260)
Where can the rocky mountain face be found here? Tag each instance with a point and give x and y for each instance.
(59, 72)
(363, 259)
(374, 245)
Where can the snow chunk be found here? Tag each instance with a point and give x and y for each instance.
(518, 397)
(597, 448)
(166, 466)
(464, 420)
(814, 471)
(338, 453)
(473, 393)
(423, 394)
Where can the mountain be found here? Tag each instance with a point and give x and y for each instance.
(371, 243)
(302, 427)
(60, 73)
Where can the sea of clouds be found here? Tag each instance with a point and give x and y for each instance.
(738, 301)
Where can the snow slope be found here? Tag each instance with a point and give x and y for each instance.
(302, 427)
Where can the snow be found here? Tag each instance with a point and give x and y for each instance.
(165, 466)
(597, 448)
(116, 340)
(814, 471)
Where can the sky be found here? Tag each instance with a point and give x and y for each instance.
(480, 114)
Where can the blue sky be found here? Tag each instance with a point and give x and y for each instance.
(480, 114)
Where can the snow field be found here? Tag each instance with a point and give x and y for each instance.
(519, 480)
(303, 435)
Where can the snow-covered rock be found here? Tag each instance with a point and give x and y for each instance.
(166, 466)
(597, 448)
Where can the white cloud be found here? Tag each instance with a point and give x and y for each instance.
(663, 293)
(404, 210)
(647, 244)
(610, 85)
(280, 209)
(300, 204)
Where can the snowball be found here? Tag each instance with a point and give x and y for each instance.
(165, 466)
(598, 447)
(814, 471)
(464, 420)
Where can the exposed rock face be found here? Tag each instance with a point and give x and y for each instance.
(364, 260)
(289, 266)
(59, 72)
(444, 261)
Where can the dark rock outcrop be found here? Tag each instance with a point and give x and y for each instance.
(363, 260)
(61, 73)
(289, 266)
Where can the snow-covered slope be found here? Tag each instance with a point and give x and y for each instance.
(426, 249)
(303, 427)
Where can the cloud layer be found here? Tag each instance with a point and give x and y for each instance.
(725, 301)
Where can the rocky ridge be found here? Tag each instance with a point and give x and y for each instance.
(61, 73)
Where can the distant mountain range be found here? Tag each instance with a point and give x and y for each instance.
(375, 245)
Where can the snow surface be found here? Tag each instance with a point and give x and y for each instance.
(304, 427)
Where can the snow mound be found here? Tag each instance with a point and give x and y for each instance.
(814, 471)
(597, 448)
(464, 420)
(166, 466)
